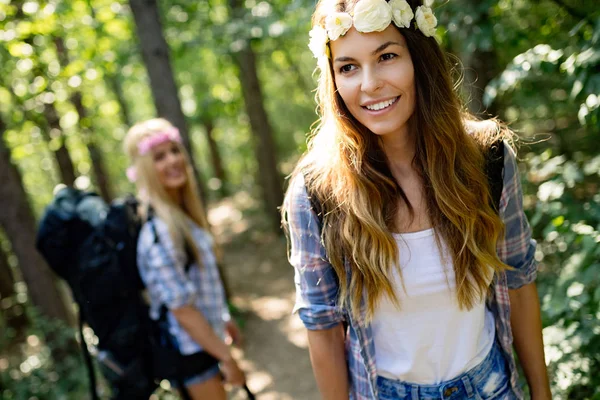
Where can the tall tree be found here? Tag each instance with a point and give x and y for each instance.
(12, 312)
(96, 156)
(114, 82)
(481, 65)
(264, 145)
(155, 53)
(215, 155)
(61, 154)
(49, 128)
(17, 220)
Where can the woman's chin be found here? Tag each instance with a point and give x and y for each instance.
(175, 183)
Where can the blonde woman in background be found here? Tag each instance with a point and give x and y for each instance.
(176, 258)
(392, 227)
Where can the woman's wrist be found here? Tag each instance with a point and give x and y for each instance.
(540, 392)
(228, 359)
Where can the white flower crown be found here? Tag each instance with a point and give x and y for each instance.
(371, 16)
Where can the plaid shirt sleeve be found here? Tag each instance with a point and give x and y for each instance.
(517, 248)
(163, 267)
(316, 281)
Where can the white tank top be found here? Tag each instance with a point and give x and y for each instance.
(429, 339)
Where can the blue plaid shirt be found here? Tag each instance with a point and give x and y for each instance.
(317, 284)
(162, 268)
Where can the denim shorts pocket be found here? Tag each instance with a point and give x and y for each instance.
(495, 385)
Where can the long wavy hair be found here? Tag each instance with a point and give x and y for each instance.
(152, 193)
(346, 168)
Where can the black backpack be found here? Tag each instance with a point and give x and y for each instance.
(92, 245)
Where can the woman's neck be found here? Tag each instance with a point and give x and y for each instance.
(400, 151)
(176, 196)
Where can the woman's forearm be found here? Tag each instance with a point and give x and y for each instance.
(328, 357)
(196, 325)
(526, 326)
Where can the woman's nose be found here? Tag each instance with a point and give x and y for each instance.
(172, 158)
(371, 81)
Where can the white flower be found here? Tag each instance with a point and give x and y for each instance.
(337, 24)
(426, 21)
(372, 15)
(318, 41)
(428, 3)
(402, 14)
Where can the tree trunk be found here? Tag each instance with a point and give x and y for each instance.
(13, 313)
(96, 158)
(480, 66)
(17, 220)
(62, 156)
(155, 53)
(115, 84)
(304, 85)
(215, 155)
(264, 145)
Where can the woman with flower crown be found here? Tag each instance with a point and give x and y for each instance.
(412, 283)
(176, 257)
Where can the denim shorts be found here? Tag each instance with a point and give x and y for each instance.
(200, 378)
(488, 380)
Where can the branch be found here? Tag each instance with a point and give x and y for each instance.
(574, 12)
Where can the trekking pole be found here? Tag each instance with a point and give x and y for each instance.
(249, 393)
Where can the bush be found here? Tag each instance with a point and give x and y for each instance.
(565, 218)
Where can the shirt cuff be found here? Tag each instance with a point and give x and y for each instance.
(320, 317)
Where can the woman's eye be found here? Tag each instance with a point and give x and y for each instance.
(388, 56)
(159, 156)
(175, 150)
(346, 68)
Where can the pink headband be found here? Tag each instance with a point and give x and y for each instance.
(168, 135)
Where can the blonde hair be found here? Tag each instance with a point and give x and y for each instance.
(346, 168)
(152, 193)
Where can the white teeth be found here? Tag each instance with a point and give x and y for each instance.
(382, 105)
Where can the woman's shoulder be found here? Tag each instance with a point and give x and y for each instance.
(489, 132)
(152, 230)
(481, 126)
(297, 193)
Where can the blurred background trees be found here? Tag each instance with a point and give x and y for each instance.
(237, 76)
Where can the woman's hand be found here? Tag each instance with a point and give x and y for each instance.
(234, 335)
(232, 372)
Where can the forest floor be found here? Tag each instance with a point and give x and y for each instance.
(275, 354)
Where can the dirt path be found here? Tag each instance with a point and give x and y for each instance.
(261, 280)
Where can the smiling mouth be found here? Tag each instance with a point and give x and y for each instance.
(381, 105)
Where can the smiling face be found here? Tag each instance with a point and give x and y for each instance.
(375, 78)
(170, 165)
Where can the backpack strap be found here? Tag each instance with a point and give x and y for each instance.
(189, 256)
(185, 394)
(249, 394)
(88, 360)
(494, 170)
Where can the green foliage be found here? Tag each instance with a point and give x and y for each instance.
(30, 371)
(566, 220)
(546, 84)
